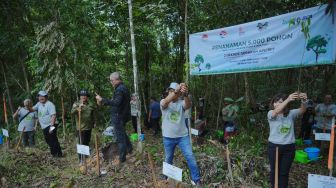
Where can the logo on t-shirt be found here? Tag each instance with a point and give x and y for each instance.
(174, 117)
(284, 129)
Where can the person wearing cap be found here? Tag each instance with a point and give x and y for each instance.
(46, 111)
(120, 114)
(174, 129)
(134, 112)
(88, 117)
(27, 120)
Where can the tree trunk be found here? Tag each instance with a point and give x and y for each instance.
(24, 71)
(146, 87)
(135, 73)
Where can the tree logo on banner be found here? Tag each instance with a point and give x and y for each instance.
(316, 44)
(198, 61)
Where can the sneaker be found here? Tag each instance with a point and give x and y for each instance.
(197, 184)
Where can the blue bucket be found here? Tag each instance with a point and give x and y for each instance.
(313, 153)
(1, 140)
(142, 137)
(308, 142)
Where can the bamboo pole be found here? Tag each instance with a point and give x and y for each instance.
(276, 181)
(153, 170)
(20, 139)
(97, 153)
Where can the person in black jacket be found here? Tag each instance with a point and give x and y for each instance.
(120, 114)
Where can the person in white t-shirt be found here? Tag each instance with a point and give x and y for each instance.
(174, 129)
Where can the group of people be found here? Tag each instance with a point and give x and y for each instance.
(123, 108)
(173, 110)
(45, 112)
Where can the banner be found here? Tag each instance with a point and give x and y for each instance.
(268, 44)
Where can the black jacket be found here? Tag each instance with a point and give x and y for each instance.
(120, 103)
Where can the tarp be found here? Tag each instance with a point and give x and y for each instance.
(267, 44)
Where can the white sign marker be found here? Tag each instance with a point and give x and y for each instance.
(83, 149)
(315, 181)
(322, 136)
(194, 132)
(172, 171)
(5, 132)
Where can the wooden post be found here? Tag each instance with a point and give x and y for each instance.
(229, 164)
(276, 181)
(6, 118)
(331, 151)
(97, 154)
(20, 139)
(153, 170)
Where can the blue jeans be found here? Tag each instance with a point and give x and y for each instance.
(185, 146)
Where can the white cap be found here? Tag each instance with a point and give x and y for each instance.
(42, 93)
(173, 85)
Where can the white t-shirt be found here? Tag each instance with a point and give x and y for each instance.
(134, 110)
(323, 122)
(28, 122)
(45, 111)
(173, 120)
(282, 128)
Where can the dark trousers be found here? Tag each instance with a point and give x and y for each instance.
(52, 141)
(134, 124)
(305, 131)
(155, 123)
(124, 144)
(286, 157)
(28, 138)
(85, 137)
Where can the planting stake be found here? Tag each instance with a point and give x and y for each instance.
(276, 181)
(153, 169)
(20, 139)
(331, 151)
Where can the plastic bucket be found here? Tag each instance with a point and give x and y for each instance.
(308, 142)
(301, 157)
(134, 137)
(1, 140)
(313, 153)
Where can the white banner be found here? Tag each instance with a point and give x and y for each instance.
(268, 44)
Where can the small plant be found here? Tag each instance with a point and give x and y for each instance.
(233, 108)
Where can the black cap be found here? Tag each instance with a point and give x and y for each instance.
(83, 92)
